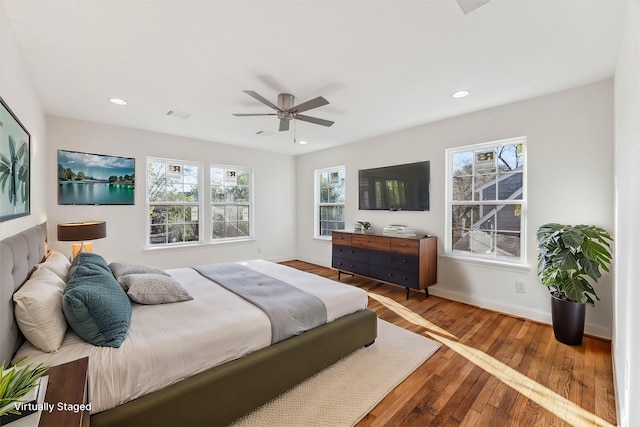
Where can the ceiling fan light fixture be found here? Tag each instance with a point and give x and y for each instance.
(460, 94)
(118, 101)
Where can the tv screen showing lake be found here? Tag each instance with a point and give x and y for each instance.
(85, 193)
(95, 179)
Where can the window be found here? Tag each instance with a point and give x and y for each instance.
(486, 200)
(230, 202)
(329, 200)
(173, 199)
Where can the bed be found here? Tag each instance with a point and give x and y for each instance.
(213, 396)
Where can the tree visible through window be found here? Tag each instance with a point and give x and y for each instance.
(173, 199)
(486, 200)
(230, 202)
(330, 189)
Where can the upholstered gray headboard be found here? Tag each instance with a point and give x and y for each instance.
(19, 254)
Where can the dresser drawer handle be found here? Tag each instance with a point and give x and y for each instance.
(390, 274)
(352, 266)
(404, 260)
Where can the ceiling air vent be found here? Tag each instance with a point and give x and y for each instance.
(178, 114)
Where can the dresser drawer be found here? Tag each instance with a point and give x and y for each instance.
(395, 261)
(351, 252)
(407, 279)
(351, 266)
(338, 238)
(405, 246)
(370, 241)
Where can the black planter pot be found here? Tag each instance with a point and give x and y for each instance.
(568, 320)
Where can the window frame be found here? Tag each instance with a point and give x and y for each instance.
(199, 203)
(251, 221)
(450, 203)
(316, 199)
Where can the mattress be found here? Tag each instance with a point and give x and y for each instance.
(167, 343)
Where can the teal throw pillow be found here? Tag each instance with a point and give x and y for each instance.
(94, 304)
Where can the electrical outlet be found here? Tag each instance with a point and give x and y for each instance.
(520, 287)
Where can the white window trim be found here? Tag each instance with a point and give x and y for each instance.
(148, 246)
(520, 263)
(316, 200)
(250, 237)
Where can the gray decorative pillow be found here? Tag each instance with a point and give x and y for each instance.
(154, 289)
(122, 269)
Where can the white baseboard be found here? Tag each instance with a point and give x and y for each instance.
(512, 310)
(537, 316)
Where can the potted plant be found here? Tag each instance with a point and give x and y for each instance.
(15, 385)
(365, 225)
(569, 263)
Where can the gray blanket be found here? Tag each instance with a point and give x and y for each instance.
(290, 310)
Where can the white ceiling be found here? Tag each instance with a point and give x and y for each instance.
(383, 65)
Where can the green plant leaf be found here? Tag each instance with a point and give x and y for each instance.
(12, 148)
(22, 150)
(3, 180)
(591, 269)
(572, 238)
(565, 260)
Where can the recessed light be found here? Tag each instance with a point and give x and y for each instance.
(118, 101)
(460, 93)
(302, 142)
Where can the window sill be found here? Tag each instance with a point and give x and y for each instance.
(322, 238)
(490, 263)
(197, 245)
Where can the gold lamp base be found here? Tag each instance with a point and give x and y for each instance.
(76, 248)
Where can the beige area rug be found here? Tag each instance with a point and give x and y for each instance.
(345, 392)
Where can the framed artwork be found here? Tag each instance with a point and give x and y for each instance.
(95, 179)
(15, 159)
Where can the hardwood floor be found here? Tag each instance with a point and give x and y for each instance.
(492, 369)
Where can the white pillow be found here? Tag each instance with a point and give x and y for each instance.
(38, 310)
(58, 263)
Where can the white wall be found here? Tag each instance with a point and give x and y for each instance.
(626, 340)
(274, 190)
(570, 180)
(19, 94)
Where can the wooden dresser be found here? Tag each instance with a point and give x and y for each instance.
(407, 261)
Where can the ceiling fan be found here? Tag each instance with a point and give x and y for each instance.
(286, 111)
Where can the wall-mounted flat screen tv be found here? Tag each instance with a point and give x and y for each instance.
(396, 188)
(95, 179)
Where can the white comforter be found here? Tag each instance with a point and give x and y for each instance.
(167, 343)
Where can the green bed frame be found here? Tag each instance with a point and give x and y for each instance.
(220, 395)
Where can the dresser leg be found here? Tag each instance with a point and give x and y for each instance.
(426, 292)
(407, 293)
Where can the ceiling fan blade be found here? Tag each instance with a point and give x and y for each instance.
(262, 99)
(469, 6)
(314, 103)
(246, 115)
(284, 124)
(314, 120)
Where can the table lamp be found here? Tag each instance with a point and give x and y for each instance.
(81, 231)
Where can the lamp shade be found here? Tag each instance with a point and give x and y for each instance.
(81, 231)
